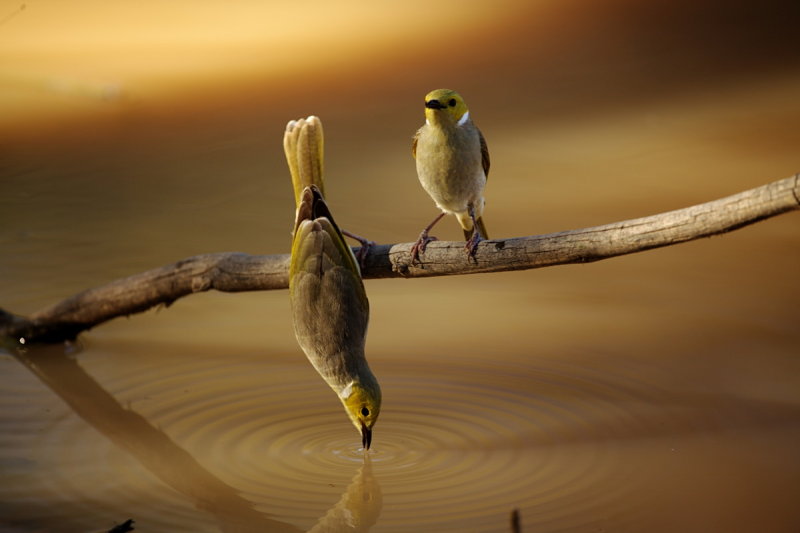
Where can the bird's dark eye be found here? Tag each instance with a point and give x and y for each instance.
(452, 102)
(365, 411)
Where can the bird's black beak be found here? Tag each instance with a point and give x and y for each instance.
(366, 436)
(434, 104)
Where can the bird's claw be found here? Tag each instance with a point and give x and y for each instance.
(472, 244)
(363, 252)
(420, 245)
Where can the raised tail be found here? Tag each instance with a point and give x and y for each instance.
(303, 144)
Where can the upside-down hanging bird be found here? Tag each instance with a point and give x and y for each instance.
(330, 310)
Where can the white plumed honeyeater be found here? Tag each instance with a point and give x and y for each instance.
(330, 309)
(452, 165)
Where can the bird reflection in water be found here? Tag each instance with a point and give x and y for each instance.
(357, 510)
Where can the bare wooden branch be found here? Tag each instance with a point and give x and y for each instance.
(596, 243)
(234, 272)
(227, 272)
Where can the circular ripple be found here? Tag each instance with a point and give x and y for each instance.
(282, 437)
(454, 443)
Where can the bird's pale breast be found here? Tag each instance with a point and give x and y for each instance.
(449, 166)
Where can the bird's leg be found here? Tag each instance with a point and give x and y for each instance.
(472, 242)
(366, 244)
(424, 239)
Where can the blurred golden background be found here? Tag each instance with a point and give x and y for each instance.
(658, 391)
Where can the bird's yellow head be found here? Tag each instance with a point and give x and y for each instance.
(445, 106)
(363, 405)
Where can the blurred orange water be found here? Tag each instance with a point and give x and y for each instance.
(657, 391)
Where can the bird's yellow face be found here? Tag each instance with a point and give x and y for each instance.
(363, 406)
(444, 105)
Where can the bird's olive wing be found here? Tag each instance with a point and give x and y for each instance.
(484, 154)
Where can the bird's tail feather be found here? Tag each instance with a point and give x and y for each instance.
(481, 228)
(303, 145)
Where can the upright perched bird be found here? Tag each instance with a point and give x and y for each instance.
(329, 305)
(452, 165)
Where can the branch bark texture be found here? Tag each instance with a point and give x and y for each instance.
(235, 272)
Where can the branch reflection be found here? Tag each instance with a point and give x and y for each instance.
(357, 510)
